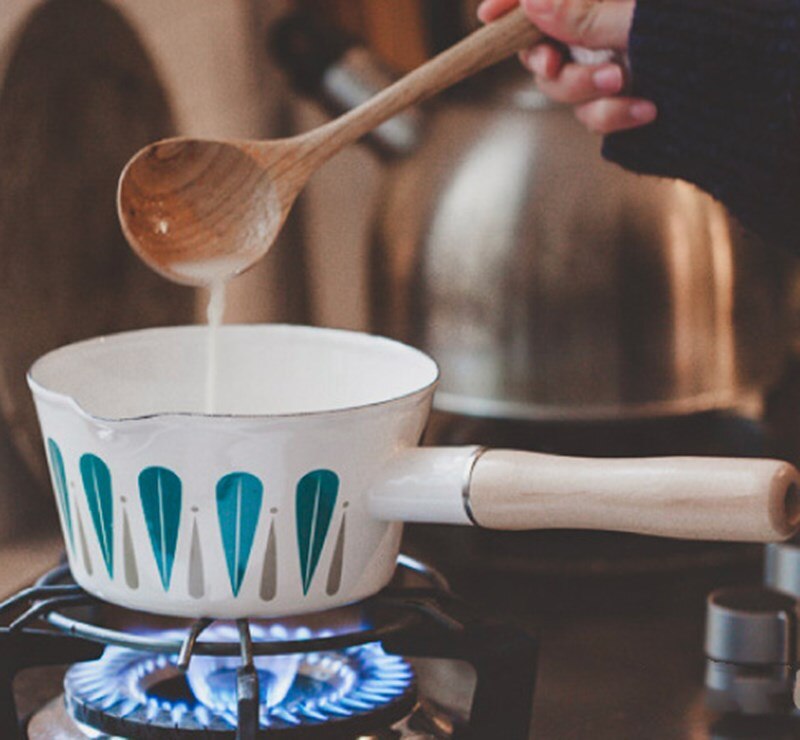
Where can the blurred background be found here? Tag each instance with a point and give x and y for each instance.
(573, 307)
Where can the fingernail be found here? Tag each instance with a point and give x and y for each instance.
(643, 111)
(533, 61)
(480, 10)
(608, 79)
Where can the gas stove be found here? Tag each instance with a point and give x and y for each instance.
(348, 673)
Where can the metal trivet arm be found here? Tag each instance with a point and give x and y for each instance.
(247, 688)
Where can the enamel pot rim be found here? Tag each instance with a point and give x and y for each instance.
(370, 341)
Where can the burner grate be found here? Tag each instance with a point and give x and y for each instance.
(410, 621)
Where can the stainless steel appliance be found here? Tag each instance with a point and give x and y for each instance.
(551, 285)
(548, 284)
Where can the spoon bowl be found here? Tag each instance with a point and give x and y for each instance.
(196, 210)
(201, 211)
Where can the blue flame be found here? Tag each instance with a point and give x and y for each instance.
(300, 689)
(213, 680)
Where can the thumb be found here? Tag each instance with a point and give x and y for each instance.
(591, 23)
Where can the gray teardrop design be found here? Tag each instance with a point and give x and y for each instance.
(87, 561)
(196, 576)
(128, 554)
(335, 573)
(269, 575)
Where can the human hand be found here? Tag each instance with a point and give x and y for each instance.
(595, 90)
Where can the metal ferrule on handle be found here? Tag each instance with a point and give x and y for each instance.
(684, 497)
(427, 485)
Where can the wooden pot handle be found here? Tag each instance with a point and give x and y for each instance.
(686, 497)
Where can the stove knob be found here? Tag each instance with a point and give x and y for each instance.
(782, 568)
(751, 650)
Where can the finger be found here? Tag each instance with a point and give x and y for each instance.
(608, 115)
(488, 10)
(578, 83)
(544, 60)
(596, 25)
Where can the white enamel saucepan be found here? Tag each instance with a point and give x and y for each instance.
(291, 497)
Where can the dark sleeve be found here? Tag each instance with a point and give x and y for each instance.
(725, 75)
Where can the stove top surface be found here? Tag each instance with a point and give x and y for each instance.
(423, 722)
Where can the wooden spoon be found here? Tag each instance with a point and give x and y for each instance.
(201, 211)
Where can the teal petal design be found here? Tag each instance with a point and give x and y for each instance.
(62, 491)
(160, 492)
(239, 498)
(97, 484)
(314, 505)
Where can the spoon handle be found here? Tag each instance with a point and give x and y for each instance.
(481, 49)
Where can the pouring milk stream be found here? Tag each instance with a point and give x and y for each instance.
(215, 311)
(213, 275)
